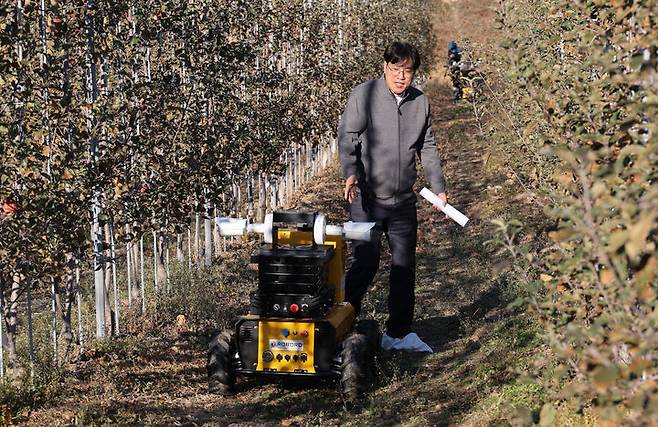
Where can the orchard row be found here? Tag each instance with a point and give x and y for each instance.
(582, 92)
(124, 117)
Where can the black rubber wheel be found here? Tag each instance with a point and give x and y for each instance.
(221, 377)
(354, 369)
(370, 329)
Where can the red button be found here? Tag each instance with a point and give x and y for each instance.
(304, 333)
(294, 308)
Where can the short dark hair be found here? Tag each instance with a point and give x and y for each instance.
(399, 51)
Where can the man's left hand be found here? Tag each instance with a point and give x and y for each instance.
(444, 199)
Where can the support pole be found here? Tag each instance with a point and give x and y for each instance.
(79, 300)
(30, 331)
(207, 226)
(115, 288)
(53, 308)
(165, 243)
(96, 229)
(189, 248)
(2, 339)
(155, 261)
(128, 268)
(197, 239)
(141, 266)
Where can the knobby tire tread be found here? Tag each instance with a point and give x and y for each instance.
(221, 378)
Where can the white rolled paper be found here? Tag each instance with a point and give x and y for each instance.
(447, 209)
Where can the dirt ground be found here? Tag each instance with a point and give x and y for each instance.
(459, 312)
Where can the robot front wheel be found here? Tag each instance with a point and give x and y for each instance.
(221, 376)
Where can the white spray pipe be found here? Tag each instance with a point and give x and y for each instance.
(349, 230)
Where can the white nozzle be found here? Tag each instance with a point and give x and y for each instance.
(256, 228)
(231, 226)
(358, 230)
(334, 230)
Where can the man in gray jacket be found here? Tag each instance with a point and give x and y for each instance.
(385, 125)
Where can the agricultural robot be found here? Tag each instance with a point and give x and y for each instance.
(298, 324)
(467, 80)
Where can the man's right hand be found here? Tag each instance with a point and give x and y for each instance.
(351, 189)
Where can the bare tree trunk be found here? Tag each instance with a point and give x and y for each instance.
(135, 271)
(70, 288)
(289, 178)
(274, 189)
(180, 254)
(10, 293)
(250, 196)
(237, 200)
(107, 269)
(197, 239)
(134, 253)
(78, 298)
(217, 240)
(161, 260)
(207, 238)
(262, 198)
(55, 302)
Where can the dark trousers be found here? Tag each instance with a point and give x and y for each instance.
(399, 224)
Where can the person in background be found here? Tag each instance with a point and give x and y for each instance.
(385, 128)
(454, 66)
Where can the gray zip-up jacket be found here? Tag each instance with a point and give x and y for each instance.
(378, 141)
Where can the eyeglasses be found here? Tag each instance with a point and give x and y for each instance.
(406, 72)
